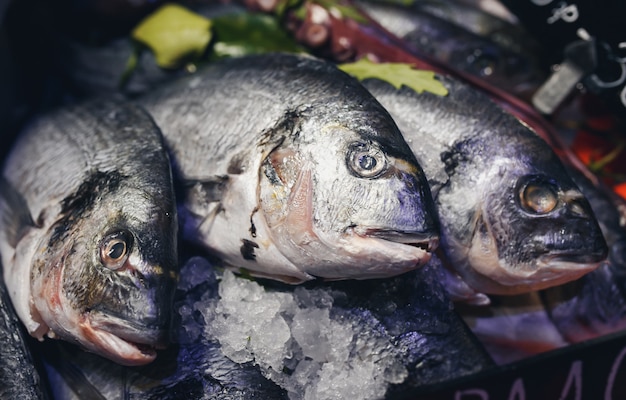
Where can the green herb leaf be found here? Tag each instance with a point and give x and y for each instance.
(174, 34)
(250, 33)
(397, 74)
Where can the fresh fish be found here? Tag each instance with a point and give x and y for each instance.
(19, 379)
(497, 57)
(512, 220)
(516, 327)
(241, 339)
(293, 171)
(88, 230)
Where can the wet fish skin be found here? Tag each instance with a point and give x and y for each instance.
(192, 371)
(19, 378)
(89, 230)
(293, 171)
(417, 308)
(512, 220)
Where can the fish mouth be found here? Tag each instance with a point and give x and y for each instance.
(423, 241)
(573, 256)
(125, 342)
(571, 261)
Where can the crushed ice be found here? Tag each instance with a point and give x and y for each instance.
(299, 341)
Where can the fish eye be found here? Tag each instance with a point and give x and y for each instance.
(483, 62)
(115, 248)
(366, 161)
(539, 197)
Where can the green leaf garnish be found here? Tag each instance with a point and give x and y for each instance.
(250, 33)
(397, 74)
(174, 34)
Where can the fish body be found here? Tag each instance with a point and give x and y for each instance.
(465, 39)
(19, 378)
(512, 220)
(88, 234)
(293, 171)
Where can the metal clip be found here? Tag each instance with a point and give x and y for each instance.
(580, 61)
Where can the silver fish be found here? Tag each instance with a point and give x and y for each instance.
(19, 379)
(516, 327)
(293, 171)
(88, 230)
(512, 220)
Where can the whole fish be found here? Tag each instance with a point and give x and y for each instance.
(88, 230)
(293, 171)
(512, 220)
(240, 339)
(500, 57)
(19, 379)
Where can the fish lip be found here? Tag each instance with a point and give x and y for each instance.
(130, 331)
(122, 341)
(425, 241)
(572, 258)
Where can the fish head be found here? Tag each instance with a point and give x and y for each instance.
(533, 228)
(105, 275)
(344, 197)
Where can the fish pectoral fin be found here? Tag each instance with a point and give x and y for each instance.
(73, 376)
(202, 202)
(14, 214)
(201, 192)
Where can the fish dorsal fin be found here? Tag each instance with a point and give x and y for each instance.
(202, 201)
(14, 214)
